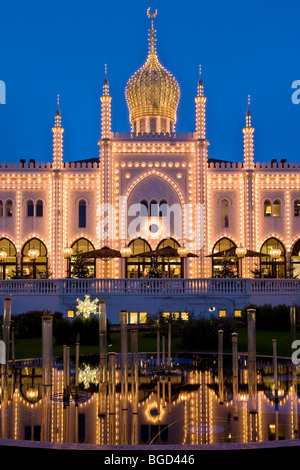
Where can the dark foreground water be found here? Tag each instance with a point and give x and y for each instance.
(193, 402)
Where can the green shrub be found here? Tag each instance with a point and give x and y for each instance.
(271, 318)
(28, 325)
(66, 331)
(196, 332)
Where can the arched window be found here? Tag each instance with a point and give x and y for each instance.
(224, 260)
(39, 208)
(297, 208)
(295, 261)
(29, 208)
(153, 208)
(82, 213)
(144, 208)
(77, 265)
(276, 208)
(224, 213)
(170, 267)
(273, 266)
(267, 208)
(137, 266)
(8, 208)
(1, 209)
(8, 263)
(34, 268)
(163, 208)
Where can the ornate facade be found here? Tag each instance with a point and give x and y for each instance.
(185, 199)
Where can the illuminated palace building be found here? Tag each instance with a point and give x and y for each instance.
(50, 213)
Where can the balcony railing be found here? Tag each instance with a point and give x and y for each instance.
(164, 287)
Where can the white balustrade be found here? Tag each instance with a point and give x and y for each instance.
(93, 286)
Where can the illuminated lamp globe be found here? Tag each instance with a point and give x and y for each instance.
(3, 254)
(241, 251)
(33, 253)
(68, 251)
(275, 253)
(182, 251)
(125, 252)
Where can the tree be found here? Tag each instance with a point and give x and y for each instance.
(226, 266)
(256, 271)
(79, 268)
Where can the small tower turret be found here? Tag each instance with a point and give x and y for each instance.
(248, 140)
(57, 139)
(106, 109)
(200, 109)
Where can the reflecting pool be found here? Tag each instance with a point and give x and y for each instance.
(194, 400)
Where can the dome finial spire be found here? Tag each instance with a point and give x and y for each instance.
(248, 114)
(152, 31)
(105, 82)
(57, 114)
(200, 82)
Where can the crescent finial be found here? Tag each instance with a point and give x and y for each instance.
(151, 15)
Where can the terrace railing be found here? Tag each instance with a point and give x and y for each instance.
(164, 287)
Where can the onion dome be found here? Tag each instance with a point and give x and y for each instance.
(152, 91)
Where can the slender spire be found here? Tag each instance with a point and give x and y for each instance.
(248, 114)
(105, 82)
(200, 83)
(58, 114)
(152, 40)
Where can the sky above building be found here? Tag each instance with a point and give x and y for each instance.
(60, 47)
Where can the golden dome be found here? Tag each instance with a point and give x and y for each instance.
(152, 90)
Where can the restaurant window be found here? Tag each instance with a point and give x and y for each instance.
(82, 213)
(267, 208)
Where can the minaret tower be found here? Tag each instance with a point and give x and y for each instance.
(57, 140)
(200, 109)
(249, 192)
(105, 235)
(106, 109)
(248, 140)
(201, 145)
(57, 197)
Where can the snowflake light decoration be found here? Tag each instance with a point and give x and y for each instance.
(87, 306)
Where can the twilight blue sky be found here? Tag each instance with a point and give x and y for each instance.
(61, 47)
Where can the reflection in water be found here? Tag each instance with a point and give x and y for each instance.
(181, 406)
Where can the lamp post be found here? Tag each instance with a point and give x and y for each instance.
(240, 252)
(125, 253)
(275, 255)
(183, 252)
(68, 251)
(33, 254)
(3, 256)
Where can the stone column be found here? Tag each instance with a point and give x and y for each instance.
(251, 329)
(124, 377)
(47, 365)
(47, 357)
(163, 352)
(293, 322)
(158, 349)
(169, 346)
(66, 372)
(6, 326)
(112, 396)
(235, 383)
(134, 387)
(220, 366)
(275, 370)
(103, 340)
(77, 368)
